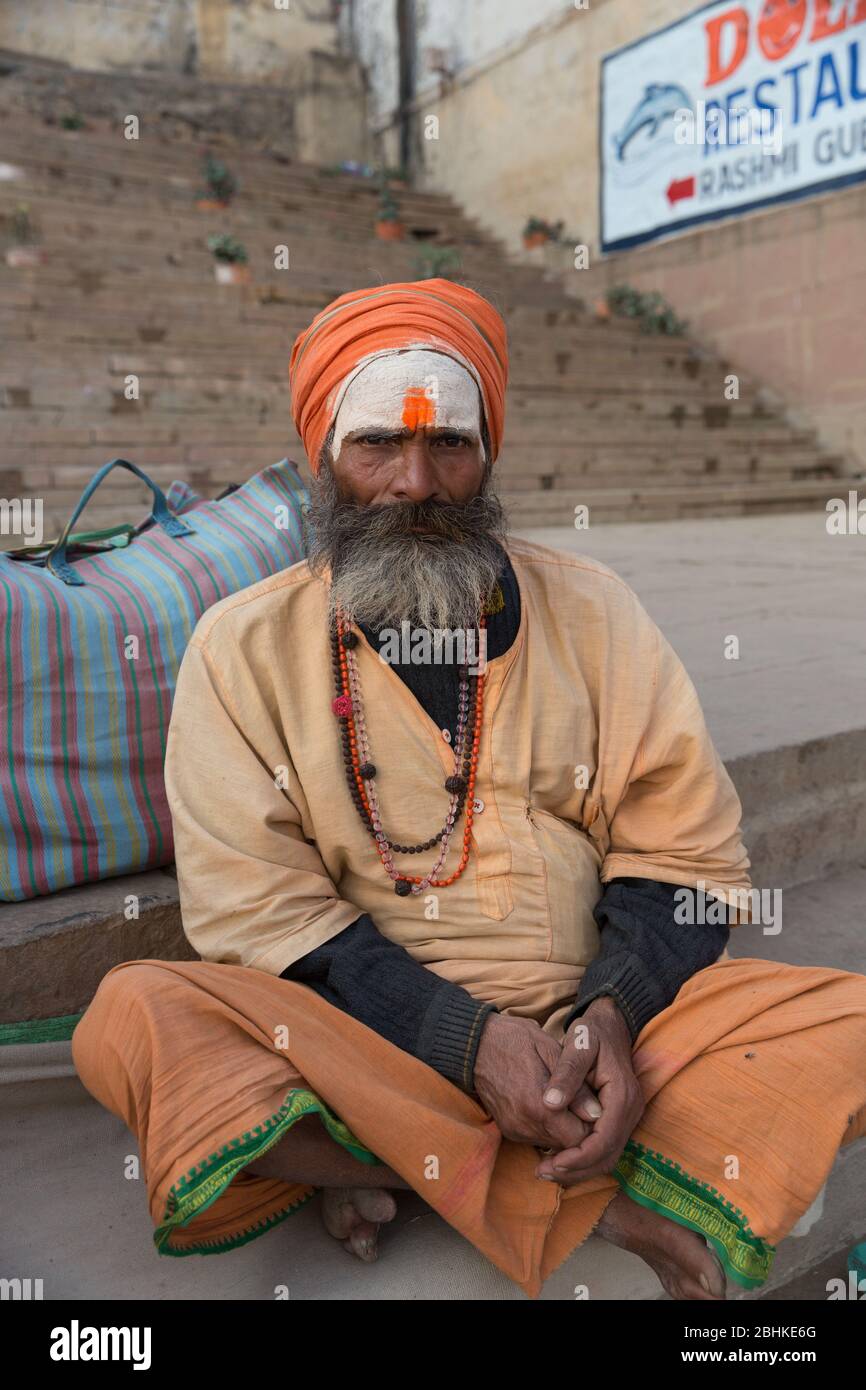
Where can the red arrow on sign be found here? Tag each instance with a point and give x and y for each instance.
(680, 188)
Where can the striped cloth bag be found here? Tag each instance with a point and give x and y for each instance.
(90, 655)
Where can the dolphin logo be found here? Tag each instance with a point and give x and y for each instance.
(660, 102)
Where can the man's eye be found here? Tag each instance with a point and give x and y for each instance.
(453, 441)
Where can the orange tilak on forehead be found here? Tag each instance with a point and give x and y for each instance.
(418, 409)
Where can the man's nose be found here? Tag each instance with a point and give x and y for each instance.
(416, 479)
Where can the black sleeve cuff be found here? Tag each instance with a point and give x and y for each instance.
(626, 980)
(450, 1034)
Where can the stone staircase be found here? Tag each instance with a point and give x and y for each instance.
(632, 426)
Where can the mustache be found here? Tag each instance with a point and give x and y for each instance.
(432, 562)
(458, 522)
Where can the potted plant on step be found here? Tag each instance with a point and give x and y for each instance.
(537, 231)
(437, 262)
(221, 186)
(651, 311)
(388, 226)
(397, 176)
(24, 253)
(230, 260)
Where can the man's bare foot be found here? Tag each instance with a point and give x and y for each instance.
(686, 1266)
(353, 1215)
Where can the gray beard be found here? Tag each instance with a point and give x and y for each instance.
(383, 574)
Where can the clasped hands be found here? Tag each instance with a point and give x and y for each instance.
(579, 1097)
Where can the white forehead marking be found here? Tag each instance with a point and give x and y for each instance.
(373, 395)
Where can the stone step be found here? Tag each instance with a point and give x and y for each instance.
(675, 421)
(84, 165)
(661, 503)
(614, 376)
(601, 483)
(142, 427)
(551, 376)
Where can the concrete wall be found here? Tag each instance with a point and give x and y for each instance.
(235, 40)
(466, 33)
(782, 293)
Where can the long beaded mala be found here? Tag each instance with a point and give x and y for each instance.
(361, 771)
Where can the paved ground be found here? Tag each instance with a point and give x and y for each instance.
(791, 593)
(813, 1285)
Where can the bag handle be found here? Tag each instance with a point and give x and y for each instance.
(56, 560)
(119, 536)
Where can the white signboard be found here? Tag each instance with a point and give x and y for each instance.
(732, 108)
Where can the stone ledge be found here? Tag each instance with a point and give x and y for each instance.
(804, 808)
(56, 949)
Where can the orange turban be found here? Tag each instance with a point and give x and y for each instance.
(436, 313)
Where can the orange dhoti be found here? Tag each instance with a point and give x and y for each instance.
(753, 1078)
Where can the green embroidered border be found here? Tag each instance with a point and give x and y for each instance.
(200, 1187)
(661, 1185)
(39, 1030)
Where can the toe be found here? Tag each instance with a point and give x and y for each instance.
(374, 1204)
(363, 1242)
(338, 1212)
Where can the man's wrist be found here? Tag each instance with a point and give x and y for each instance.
(486, 1046)
(451, 1032)
(604, 1005)
(619, 993)
(607, 1013)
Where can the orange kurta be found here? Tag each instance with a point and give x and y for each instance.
(594, 762)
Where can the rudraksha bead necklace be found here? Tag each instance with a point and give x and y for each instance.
(361, 771)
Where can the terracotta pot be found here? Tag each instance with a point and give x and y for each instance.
(602, 309)
(25, 257)
(390, 231)
(231, 273)
(531, 239)
(210, 205)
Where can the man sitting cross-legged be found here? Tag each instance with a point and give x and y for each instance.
(455, 901)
